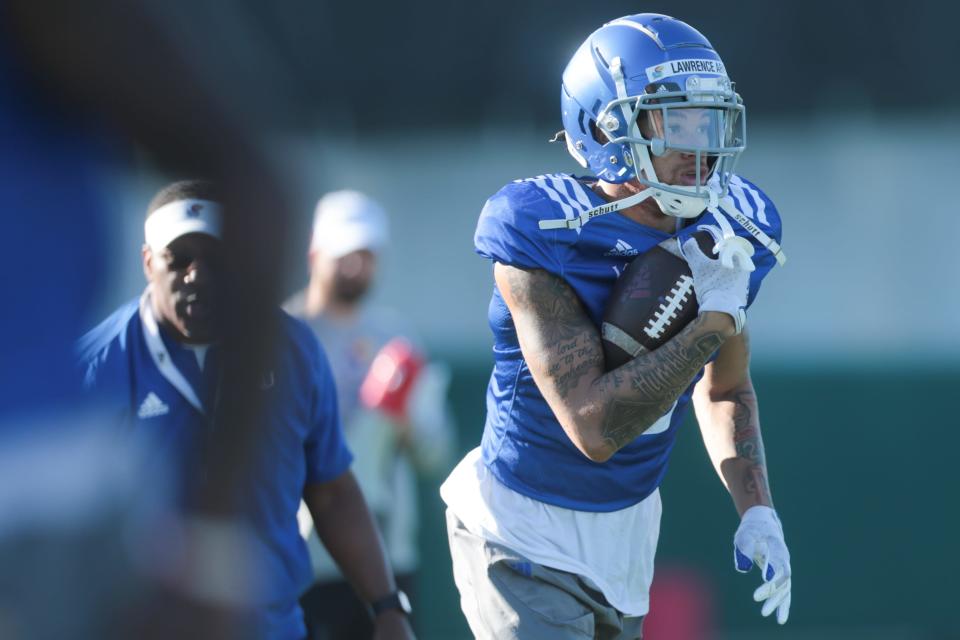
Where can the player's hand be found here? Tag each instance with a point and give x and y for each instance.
(392, 625)
(733, 251)
(718, 287)
(759, 541)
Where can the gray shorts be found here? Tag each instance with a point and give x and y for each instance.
(505, 596)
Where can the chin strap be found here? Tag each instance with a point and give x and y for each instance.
(727, 207)
(629, 201)
(583, 218)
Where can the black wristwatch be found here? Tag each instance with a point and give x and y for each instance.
(396, 600)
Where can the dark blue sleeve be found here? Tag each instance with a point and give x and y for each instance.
(508, 229)
(325, 447)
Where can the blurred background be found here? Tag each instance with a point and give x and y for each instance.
(852, 131)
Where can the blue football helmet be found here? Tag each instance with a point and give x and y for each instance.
(646, 85)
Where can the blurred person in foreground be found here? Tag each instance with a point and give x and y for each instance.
(81, 87)
(155, 365)
(392, 402)
(554, 519)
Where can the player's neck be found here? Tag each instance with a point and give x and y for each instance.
(647, 212)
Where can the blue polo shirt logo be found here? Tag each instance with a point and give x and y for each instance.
(152, 406)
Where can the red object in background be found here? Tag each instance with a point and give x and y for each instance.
(392, 375)
(681, 606)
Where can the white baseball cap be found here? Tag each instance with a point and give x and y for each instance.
(346, 221)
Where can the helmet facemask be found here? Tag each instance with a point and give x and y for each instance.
(705, 119)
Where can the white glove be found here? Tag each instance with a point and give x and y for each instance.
(759, 541)
(719, 287)
(734, 251)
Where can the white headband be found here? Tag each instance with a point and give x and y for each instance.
(179, 218)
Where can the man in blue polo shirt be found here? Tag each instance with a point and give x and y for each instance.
(153, 364)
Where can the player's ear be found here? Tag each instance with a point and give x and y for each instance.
(147, 254)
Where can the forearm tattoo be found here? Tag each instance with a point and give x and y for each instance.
(559, 339)
(654, 381)
(749, 446)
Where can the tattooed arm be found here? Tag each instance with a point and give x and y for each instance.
(726, 407)
(600, 412)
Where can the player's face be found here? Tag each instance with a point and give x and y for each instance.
(183, 279)
(691, 128)
(347, 278)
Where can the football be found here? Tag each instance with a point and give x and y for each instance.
(652, 301)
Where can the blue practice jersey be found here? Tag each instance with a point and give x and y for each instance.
(302, 441)
(523, 443)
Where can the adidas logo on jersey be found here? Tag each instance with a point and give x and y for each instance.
(152, 407)
(622, 249)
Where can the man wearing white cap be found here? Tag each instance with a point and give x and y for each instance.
(154, 364)
(392, 401)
